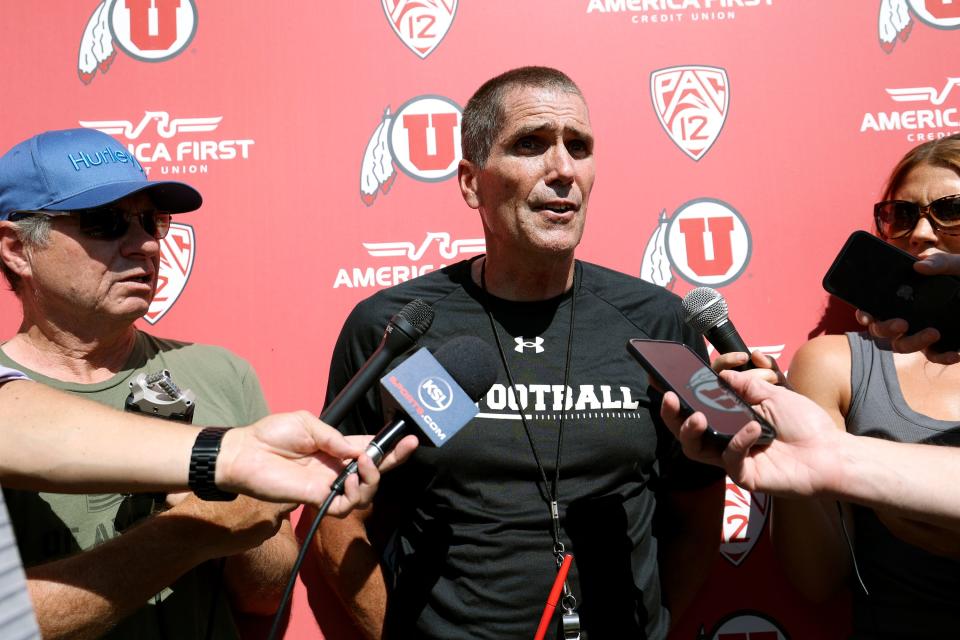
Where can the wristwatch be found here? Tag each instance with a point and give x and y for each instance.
(203, 465)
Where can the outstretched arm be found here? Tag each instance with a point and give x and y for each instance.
(290, 457)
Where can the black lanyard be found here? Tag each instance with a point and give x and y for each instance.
(569, 602)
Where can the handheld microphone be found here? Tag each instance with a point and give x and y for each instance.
(705, 311)
(403, 330)
(436, 395)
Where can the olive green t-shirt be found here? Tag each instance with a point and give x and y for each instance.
(49, 526)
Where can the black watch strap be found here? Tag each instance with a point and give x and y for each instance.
(203, 465)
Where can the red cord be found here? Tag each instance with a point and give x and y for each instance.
(554, 597)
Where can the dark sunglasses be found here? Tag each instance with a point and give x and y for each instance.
(897, 218)
(108, 223)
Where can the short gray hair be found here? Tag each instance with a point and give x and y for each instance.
(483, 116)
(34, 233)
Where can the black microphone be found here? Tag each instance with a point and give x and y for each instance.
(436, 395)
(403, 330)
(705, 311)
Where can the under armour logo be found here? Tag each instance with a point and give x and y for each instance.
(536, 343)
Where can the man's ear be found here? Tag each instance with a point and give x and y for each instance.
(468, 177)
(12, 250)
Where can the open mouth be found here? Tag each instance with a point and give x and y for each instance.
(557, 207)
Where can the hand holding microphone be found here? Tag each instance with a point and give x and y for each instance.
(706, 312)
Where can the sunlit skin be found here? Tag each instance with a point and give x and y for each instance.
(75, 278)
(924, 184)
(532, 193)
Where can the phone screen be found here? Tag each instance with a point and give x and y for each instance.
(675, 367)
(878, 278)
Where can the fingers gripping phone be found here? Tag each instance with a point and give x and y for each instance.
(674, 366)
(878, 278)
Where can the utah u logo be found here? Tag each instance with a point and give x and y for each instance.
(149, 30)
(153, 23)
(536, 344)
(707, 242)
(719, 231)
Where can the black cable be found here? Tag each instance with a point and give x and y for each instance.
(335, 490)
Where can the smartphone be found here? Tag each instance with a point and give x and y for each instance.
(673, 366)
(878, 278)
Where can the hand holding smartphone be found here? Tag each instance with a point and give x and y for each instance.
(878, 278)
(673, 366)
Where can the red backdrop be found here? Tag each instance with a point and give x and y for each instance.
(738, 143)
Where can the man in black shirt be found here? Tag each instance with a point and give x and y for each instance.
(467, 535)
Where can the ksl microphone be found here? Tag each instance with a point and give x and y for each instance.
(436, 395)
(402, 332)
(705, 311)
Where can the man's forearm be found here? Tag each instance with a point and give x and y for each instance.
(256, 578)
(350, 565)
(87, 594)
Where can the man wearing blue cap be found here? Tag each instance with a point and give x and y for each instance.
(80, 231)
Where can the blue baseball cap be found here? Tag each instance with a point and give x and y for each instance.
(79, 169)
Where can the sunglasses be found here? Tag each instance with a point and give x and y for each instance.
(108, 223)
(897, 218)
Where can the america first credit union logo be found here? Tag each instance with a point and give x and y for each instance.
(172, 144)
(177, 252)
(420, 24)
(895, 20)
(422, 139)
(706, 241)
(691, 103)
(927, 112)
(146, 30)
(408, 260)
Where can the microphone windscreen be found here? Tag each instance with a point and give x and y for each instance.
(471, 362)
(418, 313)
(704, 308)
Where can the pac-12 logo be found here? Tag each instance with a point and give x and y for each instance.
(895, 19)
(744, 516)
(422, 139)
(177, 251)
(691, 103)
(147, 30)
(420, 24)
(707, 242)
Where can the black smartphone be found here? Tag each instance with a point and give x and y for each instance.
(878, 278)
(673, 366)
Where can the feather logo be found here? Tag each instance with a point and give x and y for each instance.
(376, 170)
(893, 24)
(655, 266)
(420, 24)
(96, 45)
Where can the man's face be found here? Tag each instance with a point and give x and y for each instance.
(532, 192)
(82, 276)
